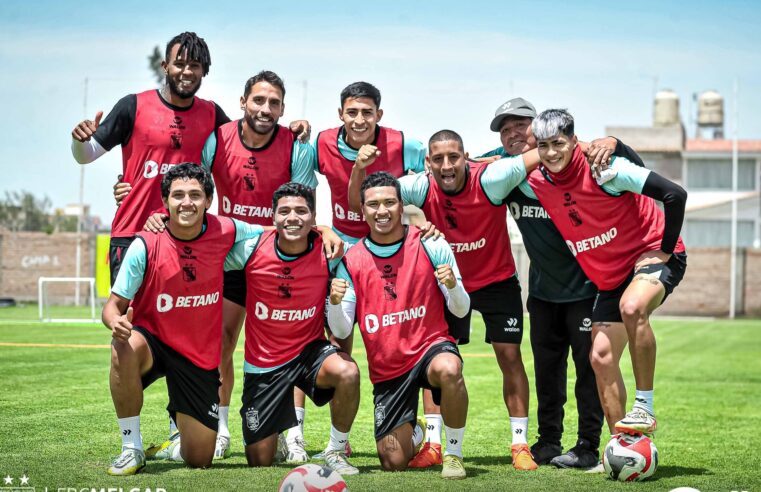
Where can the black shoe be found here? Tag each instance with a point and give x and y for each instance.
(580, 456)
(544, 452)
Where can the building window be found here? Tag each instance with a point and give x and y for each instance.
(716, 233)
(716, 174)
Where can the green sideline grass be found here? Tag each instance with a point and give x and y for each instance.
(57, 423)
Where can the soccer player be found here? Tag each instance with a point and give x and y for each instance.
(399, 288)
(627, 246)
(165, 314)
(286, 273)
(559, 303)
(455, 191)
(156, 129)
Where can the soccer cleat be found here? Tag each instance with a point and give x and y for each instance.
(637, 421)
(452, 468)
(164, 450)
(222, 448)
(580, 456)
(543, 452)
(281, 453)
(347, 452)
(522, 459)
(423, 425)
(598, 468)
(336, 461)
(296, 452)
(429, 455)
(129, 462)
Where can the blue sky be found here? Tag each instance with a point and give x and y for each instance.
(438, 64)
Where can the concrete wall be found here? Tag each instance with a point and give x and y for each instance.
(26, 256)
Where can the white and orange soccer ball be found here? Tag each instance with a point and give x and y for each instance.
(630, 458)
(312, 478)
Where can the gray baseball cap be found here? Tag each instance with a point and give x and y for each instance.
(518, 107)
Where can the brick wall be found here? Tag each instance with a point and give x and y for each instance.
(753, 282)
(26, 256)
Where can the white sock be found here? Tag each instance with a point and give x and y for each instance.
(222, 428)
(172, 427)
(338, 440)
(433, 433)
(644, 400)
(519, 428)
(176, 456)
(418, 434)
(454, 440)
(297, 431)
(130, 429)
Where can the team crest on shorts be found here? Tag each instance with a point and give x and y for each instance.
(380, 415)
(252, 419)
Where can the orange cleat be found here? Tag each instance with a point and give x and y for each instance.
(429, 455)
(522, 459)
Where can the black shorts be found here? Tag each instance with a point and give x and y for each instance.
(117, 248)
(396, 400)
(234, 288)
(192, 390)
(268, 397)
(606, 307)
(501, 306)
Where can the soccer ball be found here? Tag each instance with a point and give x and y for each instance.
(630, 458)
(312, 478)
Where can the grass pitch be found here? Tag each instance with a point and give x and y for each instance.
(57, 424)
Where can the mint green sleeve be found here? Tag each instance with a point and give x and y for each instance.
(500, 151)
(303, 164)
(240, 252)
(629, 176)
(131, 273)
(209, 149)
(342, 272)
(500, 177)
(414, 155)
(527, 190)
(244, 230)
(414, 189)
(440, 253)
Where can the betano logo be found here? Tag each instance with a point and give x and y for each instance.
(263, 312)
(153, 169)
(372, 323)
(165, 302)
(592, 242)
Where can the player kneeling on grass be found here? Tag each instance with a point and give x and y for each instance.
(286, 275)
(399, 287)
(165, 313)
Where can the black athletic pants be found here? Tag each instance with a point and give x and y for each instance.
(556, 327)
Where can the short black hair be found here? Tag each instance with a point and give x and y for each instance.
(294, 189)
(266, 76)
(376, 180)
(187, 171)
(361, 89)
(193, 46)
(445, 136)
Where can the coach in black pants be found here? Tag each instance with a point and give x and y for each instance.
(560, 303)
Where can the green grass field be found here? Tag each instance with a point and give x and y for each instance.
(57, 423)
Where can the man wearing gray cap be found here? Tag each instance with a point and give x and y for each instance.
(559, 303)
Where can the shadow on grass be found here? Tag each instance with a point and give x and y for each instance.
(678, 471)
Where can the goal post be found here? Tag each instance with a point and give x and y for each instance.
(42, 299)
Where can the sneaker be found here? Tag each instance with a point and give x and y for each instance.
(164, 450)
(598, 468)
(281, 453)
(522, 459)
(452, 468)
(637, 421)
(296, 452)
(580, 456)
(129, 462)
(543, 452)
(222, 448)
(336, 461)
(347, 452)
(429, 455)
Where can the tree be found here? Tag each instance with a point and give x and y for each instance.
(22, 211)
(154, 64)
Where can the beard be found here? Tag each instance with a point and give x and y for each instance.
(181, 93)
(252, 123)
